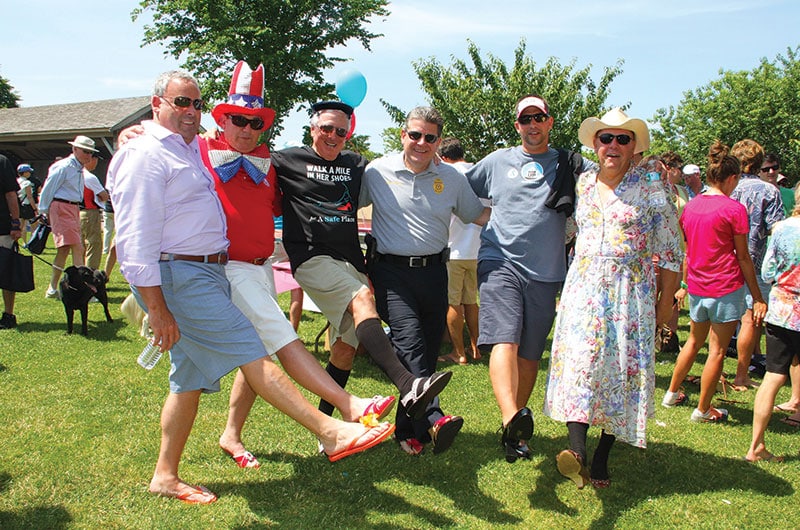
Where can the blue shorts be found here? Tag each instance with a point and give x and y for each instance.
(216, 337)
(728, 308)
(515, 309)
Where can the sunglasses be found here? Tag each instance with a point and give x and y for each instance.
(416, 135)
(539, 117)
(183, 102)
(240, 121)
(766, 169)
(607, 138)
(341, 132)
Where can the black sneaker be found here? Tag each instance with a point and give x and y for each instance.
(8, 321)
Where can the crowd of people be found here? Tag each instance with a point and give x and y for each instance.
(623, 250)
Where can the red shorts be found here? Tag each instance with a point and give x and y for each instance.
(65, 222)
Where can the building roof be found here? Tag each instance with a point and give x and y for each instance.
(38, 135)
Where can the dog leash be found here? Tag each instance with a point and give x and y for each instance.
(44, 260)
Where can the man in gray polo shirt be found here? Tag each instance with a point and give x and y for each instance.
(522, 261)
(413, 200)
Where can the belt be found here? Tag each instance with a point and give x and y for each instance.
(66, 201)
(255, 261)
(416, 262)
(219, 257)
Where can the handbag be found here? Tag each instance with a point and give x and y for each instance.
(38, 239)
(16, 270)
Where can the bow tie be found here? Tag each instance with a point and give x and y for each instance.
(227, 163)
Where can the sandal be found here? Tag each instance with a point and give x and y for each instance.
(423, 390)
(570, 464)
(411, 446)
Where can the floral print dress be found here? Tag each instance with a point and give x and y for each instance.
(603, 354)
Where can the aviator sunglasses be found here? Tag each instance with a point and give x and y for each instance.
(416, 135)
(607, 138)
(341, 132)
(766, 169)
(539, 117)
(184, 102)
(240, 121)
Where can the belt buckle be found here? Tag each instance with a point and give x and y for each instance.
(416, 262)
(223, 258)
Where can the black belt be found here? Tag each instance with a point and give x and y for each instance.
(56, 199)
(416, 262)
(219, 257)
(255, 261)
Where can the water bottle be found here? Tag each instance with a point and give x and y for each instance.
(149, 356)
(658, 198)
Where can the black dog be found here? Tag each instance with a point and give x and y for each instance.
(78, 286)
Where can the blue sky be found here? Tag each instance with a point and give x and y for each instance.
(57, 53)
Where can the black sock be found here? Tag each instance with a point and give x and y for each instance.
(341, 377)
(370, 333)
(600, 458)
(577, 438)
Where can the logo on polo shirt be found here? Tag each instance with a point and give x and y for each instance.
(438, 185)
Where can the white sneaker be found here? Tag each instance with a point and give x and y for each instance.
(712, 415)
(52, 293)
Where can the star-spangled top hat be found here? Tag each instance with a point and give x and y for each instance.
(246, 96)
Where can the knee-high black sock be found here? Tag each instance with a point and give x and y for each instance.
(577, 438)
(600, 458)
(370, 333)
(341, 377)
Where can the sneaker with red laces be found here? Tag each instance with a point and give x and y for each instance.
(673, 399)
(712, 415)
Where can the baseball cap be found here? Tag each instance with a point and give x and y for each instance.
(532, 101)
(22, 168)
(690, 169)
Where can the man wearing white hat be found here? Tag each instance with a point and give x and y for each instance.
(60, 201)
(691, 175)
(531, 200)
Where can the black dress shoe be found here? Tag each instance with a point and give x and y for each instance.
(515, 435)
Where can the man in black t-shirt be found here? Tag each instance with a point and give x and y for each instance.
(9, 231)
(320, 186)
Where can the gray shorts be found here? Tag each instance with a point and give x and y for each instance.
(728, 308)
(216, 337)
(332, 284)
(514, 309)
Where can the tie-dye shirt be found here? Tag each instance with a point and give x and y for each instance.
(782, 268)
(764, 208)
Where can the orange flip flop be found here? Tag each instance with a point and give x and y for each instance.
(370, 438)
(197, 495)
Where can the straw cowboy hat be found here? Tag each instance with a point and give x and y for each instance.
(246, 96)
(615, 119)
(83, 142)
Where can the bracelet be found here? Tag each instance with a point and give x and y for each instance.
(15, 223)
(683, 285)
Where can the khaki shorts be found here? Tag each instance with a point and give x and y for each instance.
(332, 284)
(462, 282)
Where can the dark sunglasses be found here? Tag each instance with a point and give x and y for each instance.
(341, 132)
(539, 117)
(240, 121)
(765, 169)
(184, 102)
(607, 138)
(416, 135)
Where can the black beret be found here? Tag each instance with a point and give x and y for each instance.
(332, 105)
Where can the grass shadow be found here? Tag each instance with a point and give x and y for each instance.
(34, 517)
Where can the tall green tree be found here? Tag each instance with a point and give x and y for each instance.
(477, 99)
(761, 104)
(290, 38)
(8, 96)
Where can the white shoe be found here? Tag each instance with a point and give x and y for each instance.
(52, 293)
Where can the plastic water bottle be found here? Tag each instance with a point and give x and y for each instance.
(658, 198)
(149, 356)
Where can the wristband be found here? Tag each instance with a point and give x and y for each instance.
(15, 223)
(683, 285)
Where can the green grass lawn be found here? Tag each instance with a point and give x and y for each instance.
(79, 435)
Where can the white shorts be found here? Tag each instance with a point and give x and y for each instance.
(253, 292)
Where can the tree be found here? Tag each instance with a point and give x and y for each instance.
(477, 100)
(8, 96)
(760, 104)
(289, 38)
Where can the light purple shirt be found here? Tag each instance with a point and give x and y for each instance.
(64, 181)
(164, 201)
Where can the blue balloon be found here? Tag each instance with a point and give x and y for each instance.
(351, 87)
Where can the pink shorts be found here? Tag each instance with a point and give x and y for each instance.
(65, 222)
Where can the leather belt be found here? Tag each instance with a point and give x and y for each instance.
(416, 262)
(219, 257)
(66, 201)
(255, 261)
